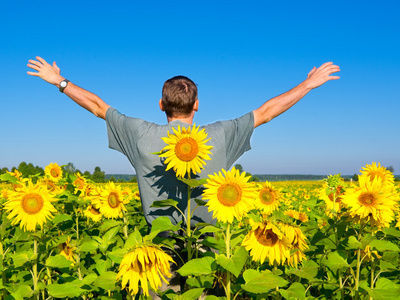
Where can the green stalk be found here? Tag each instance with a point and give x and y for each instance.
(228, 255)
(34, 268)
(188, 230)
(125, 229)
(357, 281)
(3, 274)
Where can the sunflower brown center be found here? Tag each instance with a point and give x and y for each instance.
(50, 186)
(113, 200)
(79, 183)
(229, 194)
(54, 173)
(336, 194)
(266, 238)
(32, 203)
(367, 198)
(266, 196)
(186, 149)
(94, 210)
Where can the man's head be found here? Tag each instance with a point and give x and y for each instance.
(179, 97)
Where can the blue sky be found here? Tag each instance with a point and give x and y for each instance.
(239, 53)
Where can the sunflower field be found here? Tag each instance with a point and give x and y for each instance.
(64, 237)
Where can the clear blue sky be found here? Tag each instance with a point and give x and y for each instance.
(240, 53)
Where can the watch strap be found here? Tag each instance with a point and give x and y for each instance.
(63, 86)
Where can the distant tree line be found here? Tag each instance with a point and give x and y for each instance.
(98, 175)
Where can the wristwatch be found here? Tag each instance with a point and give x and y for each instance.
(63, 85)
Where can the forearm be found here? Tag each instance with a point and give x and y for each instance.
(278, 105)
(87, 100)
(275, 106)
(51, 74)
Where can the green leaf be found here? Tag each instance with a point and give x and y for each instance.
(61, 218)
(21, 258)
(58, 261)
(106, 281)
(295, 291)
(23, 291)
(198, 266)
(89, 279)
(235, 263)
(327, 242)
(117, 255)
(392, 231)
(212, 242)
(201, 281)
(192, 294)
(193, 182)
(64, 290)
(261, 283)
(308, 271)
(8, 177)
(353, 243)
(165, 203)
(135, 238)
(109, 224)
(109, 235)
(164, 224)
(382, 246)
(208, 229)
(336, 261)
(89, 246)
(200, 202)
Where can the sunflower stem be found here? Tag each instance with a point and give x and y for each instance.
(188, 230)
(357, 281)
(34, 268)
(125, 227)
(228, 255)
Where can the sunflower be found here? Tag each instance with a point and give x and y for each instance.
(186, 150)
(110, 201)
(298, 243)
(268, 198)
(17, 174)
(372, 201)
(333, 201)
(375, 170)
(298, 215)
(67, 250)
(80, 183)
(145, 264)
(266, 241)
(30, 205)
(93, 213)
(53, 171)
(51, 186)
(369, 255)
(230, 195)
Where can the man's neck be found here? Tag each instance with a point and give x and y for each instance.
(187, 120)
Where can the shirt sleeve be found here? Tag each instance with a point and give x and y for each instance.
(122, 132)
(237, 136)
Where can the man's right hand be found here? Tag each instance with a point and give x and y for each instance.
(49, 73)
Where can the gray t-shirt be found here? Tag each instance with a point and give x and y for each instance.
(138, 139)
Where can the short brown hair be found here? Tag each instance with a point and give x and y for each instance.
(179, 95)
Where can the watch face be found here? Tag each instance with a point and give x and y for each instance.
(63, 84)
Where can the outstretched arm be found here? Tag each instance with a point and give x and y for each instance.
(275, 106)
(86, 99)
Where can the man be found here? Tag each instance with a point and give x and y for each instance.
(138, 139)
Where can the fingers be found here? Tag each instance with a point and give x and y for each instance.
(41, 60)
(33, 73)
(33, 66)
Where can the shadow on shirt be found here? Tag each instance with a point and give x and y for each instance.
(167, 184)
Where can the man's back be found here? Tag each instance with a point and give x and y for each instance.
(138, 139)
